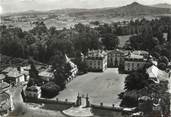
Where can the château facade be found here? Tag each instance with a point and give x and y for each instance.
(133, 62)
(96, 60)
(115, 58)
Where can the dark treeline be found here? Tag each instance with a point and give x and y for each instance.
(42, 43)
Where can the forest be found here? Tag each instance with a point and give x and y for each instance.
(42, 43)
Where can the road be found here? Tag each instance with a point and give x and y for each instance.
(27, 110)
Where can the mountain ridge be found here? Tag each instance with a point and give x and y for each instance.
(132, 9)
(162, 5)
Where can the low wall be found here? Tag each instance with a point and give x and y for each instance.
(111, 108)
(48, 101)
(112, 111)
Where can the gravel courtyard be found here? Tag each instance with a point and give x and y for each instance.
(100, 86)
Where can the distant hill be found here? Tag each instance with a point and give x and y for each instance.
(163, 5)
(133, 9)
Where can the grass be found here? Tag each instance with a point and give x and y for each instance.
(101, 87)
(123, 39)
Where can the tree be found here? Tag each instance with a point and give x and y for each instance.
(163, 59)
(110, 41)
(50, 90)
(61, 68)
(169, 34)
(136, 80)
(162, 66)
(33, 73)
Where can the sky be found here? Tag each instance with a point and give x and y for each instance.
(9, 6)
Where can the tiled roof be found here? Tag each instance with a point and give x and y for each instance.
(4, 85)
(154, 72)
(8, 69)
(33, 88)
(140, 52)
(96, 53)
(4, 96)
(14, 73)
(4, 102)
(46, 74)
(2, 76)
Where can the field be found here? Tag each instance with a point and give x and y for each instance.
(123, 39)
(101, 87)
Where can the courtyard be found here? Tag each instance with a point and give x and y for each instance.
(100, 87)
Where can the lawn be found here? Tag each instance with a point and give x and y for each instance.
(100, 86)
(123, 39)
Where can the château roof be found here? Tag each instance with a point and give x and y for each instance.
(96, 54)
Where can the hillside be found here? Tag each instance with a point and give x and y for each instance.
(163, 5)
(134, 9)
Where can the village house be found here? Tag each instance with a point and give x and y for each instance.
(46, 76)
(16, 75)
(96, 60)
(6, 102)
(156, 75)
(115, 58)
(133, 62)
(74, 68)
(33, 92)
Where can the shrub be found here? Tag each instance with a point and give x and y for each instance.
(50, 90)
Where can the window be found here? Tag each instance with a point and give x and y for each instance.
(90, 63)
(138, 65)
(128, 64)
(98, 62)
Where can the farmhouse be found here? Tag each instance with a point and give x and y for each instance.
(33, 92)
(115, 58)
(15, 76)
(96, 60)
(6, 102)
(46, 76)
(134, 62)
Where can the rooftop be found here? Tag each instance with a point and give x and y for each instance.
(4, 96)
(2, 76)
(8, 69)
(154, 72)
(132, 56)
(4, 85)
(46, 74)
(140, 52)
(33, 88)
(14, 73)
(4, 104)
(96, 54)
